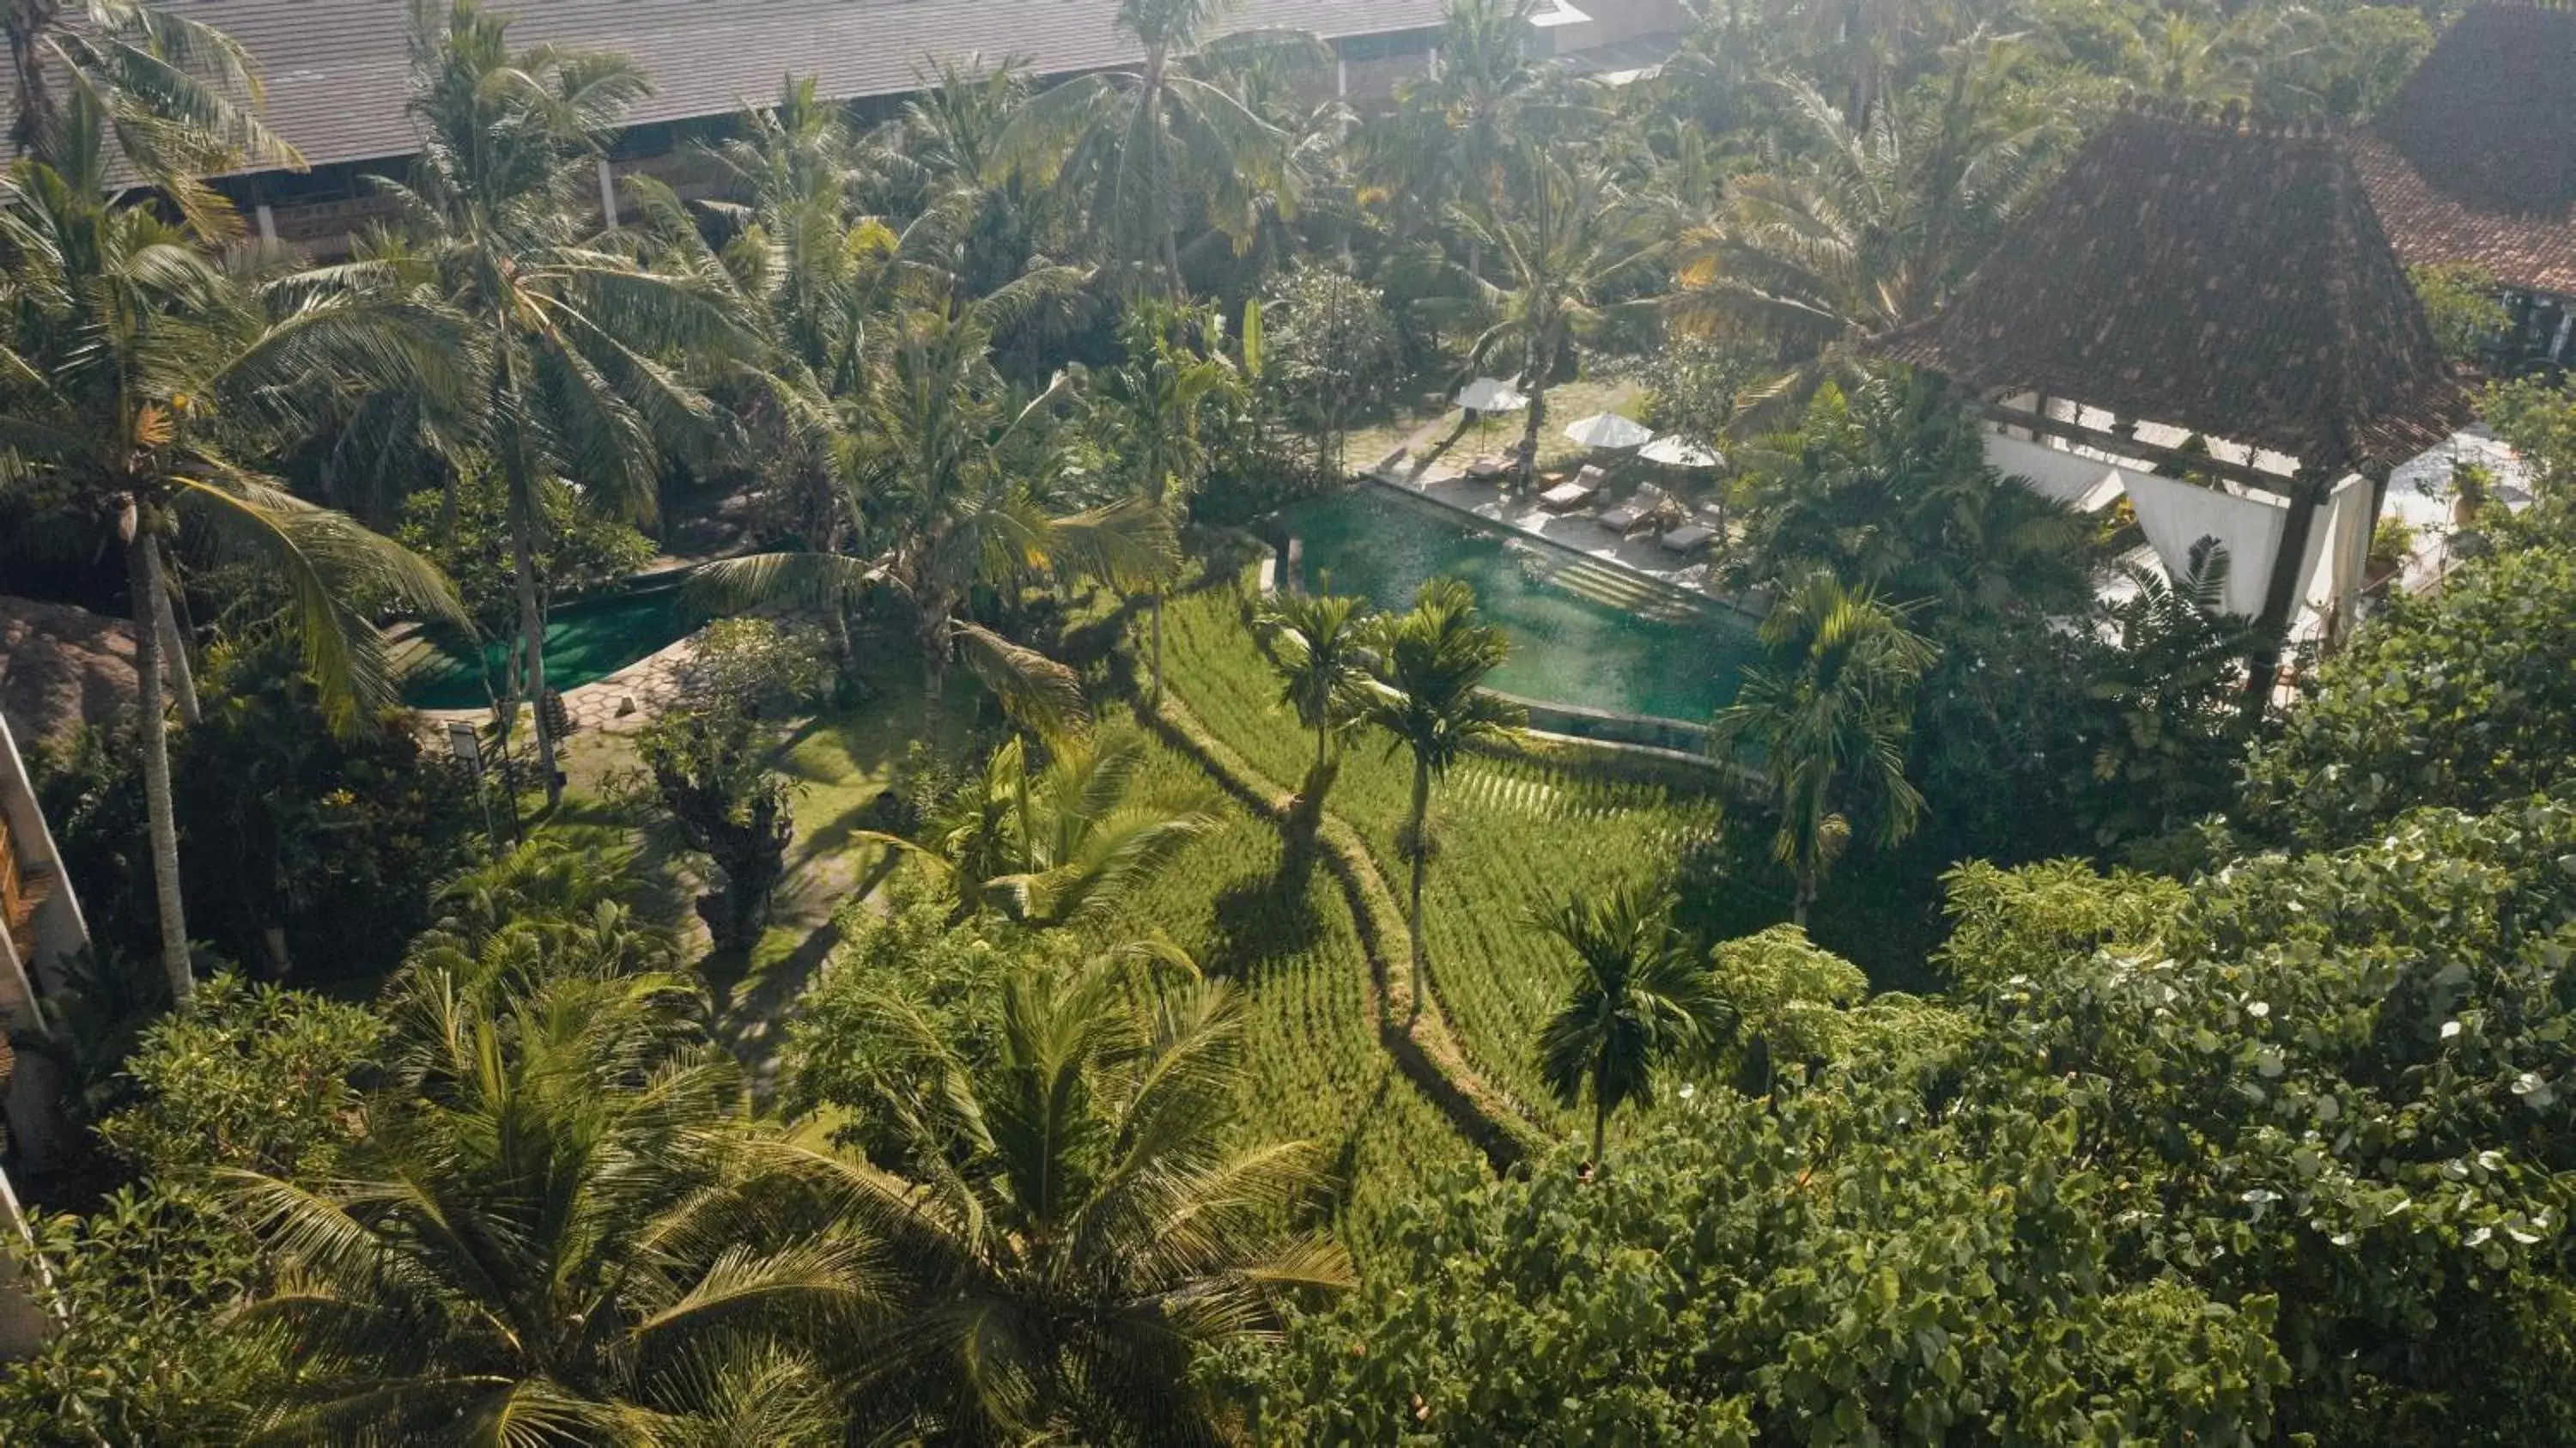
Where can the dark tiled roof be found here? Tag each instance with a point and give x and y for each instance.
(2474, 160)
(338, 71)
(2227, 280)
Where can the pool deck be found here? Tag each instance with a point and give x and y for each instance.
(1450, 488)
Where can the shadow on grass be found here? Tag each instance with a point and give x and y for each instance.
(1265, 922)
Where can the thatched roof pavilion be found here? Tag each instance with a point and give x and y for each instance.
(2226, 279)
(2209, 280)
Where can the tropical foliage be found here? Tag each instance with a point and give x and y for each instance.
(1111, 1102)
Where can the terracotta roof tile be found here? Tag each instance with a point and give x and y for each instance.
(2474, 160)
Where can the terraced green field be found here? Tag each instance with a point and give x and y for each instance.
(1513, 834)
(1283, 932)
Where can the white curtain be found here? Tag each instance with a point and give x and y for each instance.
(2052, 472)
(2175, 515)
(2338, 551)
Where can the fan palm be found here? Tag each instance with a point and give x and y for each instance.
(556, 1227)
(1133, 147)
(1085, 1224)
(1570, 246)
(130, 358)
(2174, 683)
(1075, 837)
(1825, 715)
(1318, 645)
(1428, 694)
(576, 389)
(1641, 997)
(1890, 487)
(178, 98)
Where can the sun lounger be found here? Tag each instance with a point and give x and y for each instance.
(1487, 468)
(1688, 538)
(1642, 507)
(1565, 497)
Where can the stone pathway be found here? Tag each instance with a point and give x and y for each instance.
(627, 700)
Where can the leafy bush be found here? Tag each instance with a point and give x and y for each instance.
(465, 530)
(2466, 698)
(300, 848)
(250, 1076)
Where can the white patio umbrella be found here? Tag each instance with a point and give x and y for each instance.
(1490, 394)
(1673, 452)
(1609, 430)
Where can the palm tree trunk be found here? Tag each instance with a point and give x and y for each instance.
(532, 635)
(1805, 897)
(1421, 852)
(174, 646)
(1529, 438)
(934, 669)
(27, 129)
(152, 730)
(1542, 362)
(1600, 1122)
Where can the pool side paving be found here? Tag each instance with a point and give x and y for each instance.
(1499, 507)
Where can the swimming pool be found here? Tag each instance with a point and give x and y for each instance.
(585, 642)
(1584, 633)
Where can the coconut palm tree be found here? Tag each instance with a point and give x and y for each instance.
(939, 481)
(1870, 230)
(956, 122)
(1074, 837)
(1319, 646)
(1461, 128)
(1427, 694)
(1150, 415)
(1825, 717)
(1569, 246)
(576, 387)
(1134, 147)
(177, 97)
(1642, 996)
(1085, 1219)
(556, 1226)
(130, 360)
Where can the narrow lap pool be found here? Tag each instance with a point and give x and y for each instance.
(1584, 633)
(585, 642)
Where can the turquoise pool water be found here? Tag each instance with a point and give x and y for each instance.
(585, 642)
(1583, 633)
